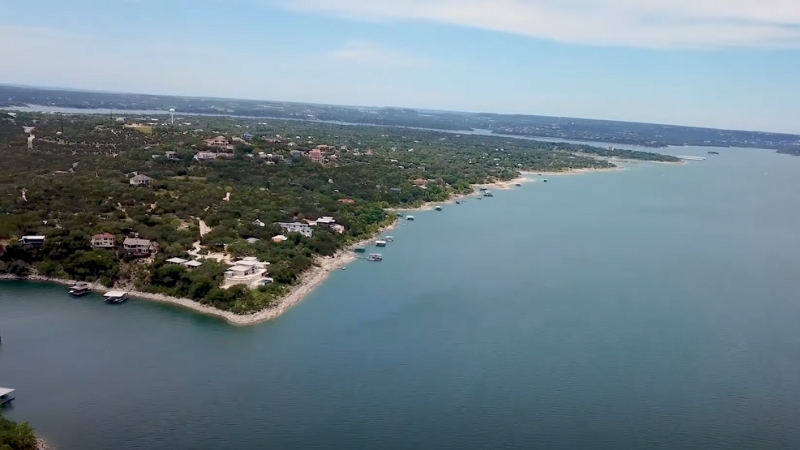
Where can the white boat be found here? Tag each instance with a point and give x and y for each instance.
(380, 243)
(389, 238)
(375, 257)
(438, 208)
(115, 296)
(409, 217)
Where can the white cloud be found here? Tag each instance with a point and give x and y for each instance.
(357, 52)
(633, 23)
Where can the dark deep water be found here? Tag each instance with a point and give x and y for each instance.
(655, 307)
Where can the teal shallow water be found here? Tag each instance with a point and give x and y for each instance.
(654, 307)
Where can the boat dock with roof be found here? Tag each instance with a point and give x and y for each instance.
(115, 296)
(5, 395)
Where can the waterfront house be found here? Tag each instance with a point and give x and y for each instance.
(141, 180)
(326, 221)
(139, 247)
(297, 227)
(248, 271)
(33, 241)
(104, 240)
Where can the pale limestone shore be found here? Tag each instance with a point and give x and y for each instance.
(508, 184)
(309, 281)
(315, 276)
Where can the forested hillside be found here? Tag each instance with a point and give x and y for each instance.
(75, 181)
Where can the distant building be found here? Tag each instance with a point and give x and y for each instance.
(297, 227)
(178, 261)
(247, 136)
(347, 201)
(139, 247)
(141, 180)
(205, 156)
(171, 155)
(33, 241)
(219, 142)
(297, 154)
(279, 238)
(104, 240)
(315, 155)
(326, 221)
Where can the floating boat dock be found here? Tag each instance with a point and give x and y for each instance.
(80, 289)
(375, 257)
(5, 396)
(115, 296)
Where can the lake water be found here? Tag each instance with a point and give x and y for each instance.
(655, 307)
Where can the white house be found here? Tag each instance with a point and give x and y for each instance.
(35, 241)
(205, 156)
(297, 227)
(141, 180)
(248, 271)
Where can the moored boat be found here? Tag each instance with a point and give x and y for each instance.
(409, 217)
(380, 243)
(80, 289)
(389, 239)
(359, 249)
(375, 257)
(438, 208)
(115, 296)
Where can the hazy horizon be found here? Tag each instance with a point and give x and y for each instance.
(420, 110)
(698, 63)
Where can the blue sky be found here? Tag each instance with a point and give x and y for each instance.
(717, 63)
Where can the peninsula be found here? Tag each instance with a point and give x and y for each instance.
(231, 216)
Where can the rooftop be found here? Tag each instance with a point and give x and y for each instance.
(115, 294)
(5, 391)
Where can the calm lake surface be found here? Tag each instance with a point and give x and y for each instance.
(655, 307)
